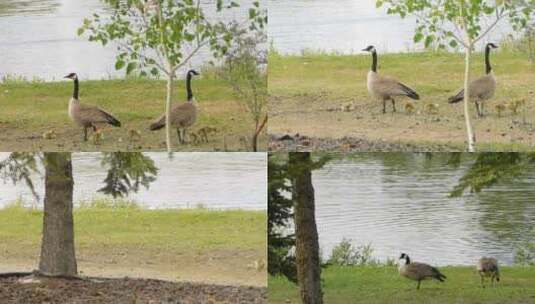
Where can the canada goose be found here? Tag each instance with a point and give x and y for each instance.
(51, 134)
(87, 116)
(384, 87)
(418, 271)
(431, 108)
(409, 107)
(488, 267)
(481, 88)
(515, 105)
(183, 115)
(500, 108)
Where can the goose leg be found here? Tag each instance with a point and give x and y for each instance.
(185, 130)
(418, 286)
(179, 135)
(384, 106)
(85, 133)
(478, 109)
(482, 282)
(393, 104)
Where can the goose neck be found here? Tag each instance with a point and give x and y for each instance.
(76, 89)
(374, 61)
(488, 68)
(188, 88)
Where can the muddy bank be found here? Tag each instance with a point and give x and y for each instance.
(302, 143)
(16, 289)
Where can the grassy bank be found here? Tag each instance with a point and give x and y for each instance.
(384, 285)
(175, 244)
(31, 109)
(325, 96)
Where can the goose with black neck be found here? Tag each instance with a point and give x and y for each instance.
(85, 115)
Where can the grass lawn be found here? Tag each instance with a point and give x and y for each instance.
(384, 285)
(325, 96)
(31, 109)
(175, 244)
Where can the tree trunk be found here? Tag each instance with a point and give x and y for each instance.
(57, 247)
(469, 131)
(257, 131)
(307, 246)
(168, 101)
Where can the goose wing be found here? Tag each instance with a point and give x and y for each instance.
(392, 87)
(94, 114)
(487, 265)
(182, 115)
(421, 271)
(482, 87)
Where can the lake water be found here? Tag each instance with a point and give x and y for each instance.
(399, 203)
(38, 39)
(213, 180)
(345, 26)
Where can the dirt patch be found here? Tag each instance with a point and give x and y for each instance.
(299, 143)
(133, 137)
(222, 267)
(330, 123)
(15, 289)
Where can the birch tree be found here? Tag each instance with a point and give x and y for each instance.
(158, 37)
(460, 23)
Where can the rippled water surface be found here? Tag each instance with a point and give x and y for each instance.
(400, 204)
(342, 26)
(213, 180)
(38, 39)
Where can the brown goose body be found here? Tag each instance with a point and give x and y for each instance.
(86, 115)
(482, 88)
(488, 267)
(384, 87)
(182, 116)
(418, 271)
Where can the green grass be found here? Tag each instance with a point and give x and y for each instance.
(101, 225)
(384, 285)
(309, 90)
(31, 108)
(120, 238)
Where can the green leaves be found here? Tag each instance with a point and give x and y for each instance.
(145, 44)
(435, 19)
(130, 67)
(119, 64)
(418, 37)
(127, 172)
(428, 40)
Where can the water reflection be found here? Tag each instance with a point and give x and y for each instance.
(213, 180)
(398, 202)
(27, 7)
(38, 39)
(344, 26)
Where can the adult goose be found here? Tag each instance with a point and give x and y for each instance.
(383, 87)
(86, 115)
(481, 88)
(183, 115)
(418, 271)
(488, 267)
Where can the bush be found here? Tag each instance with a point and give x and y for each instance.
(346, 254)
